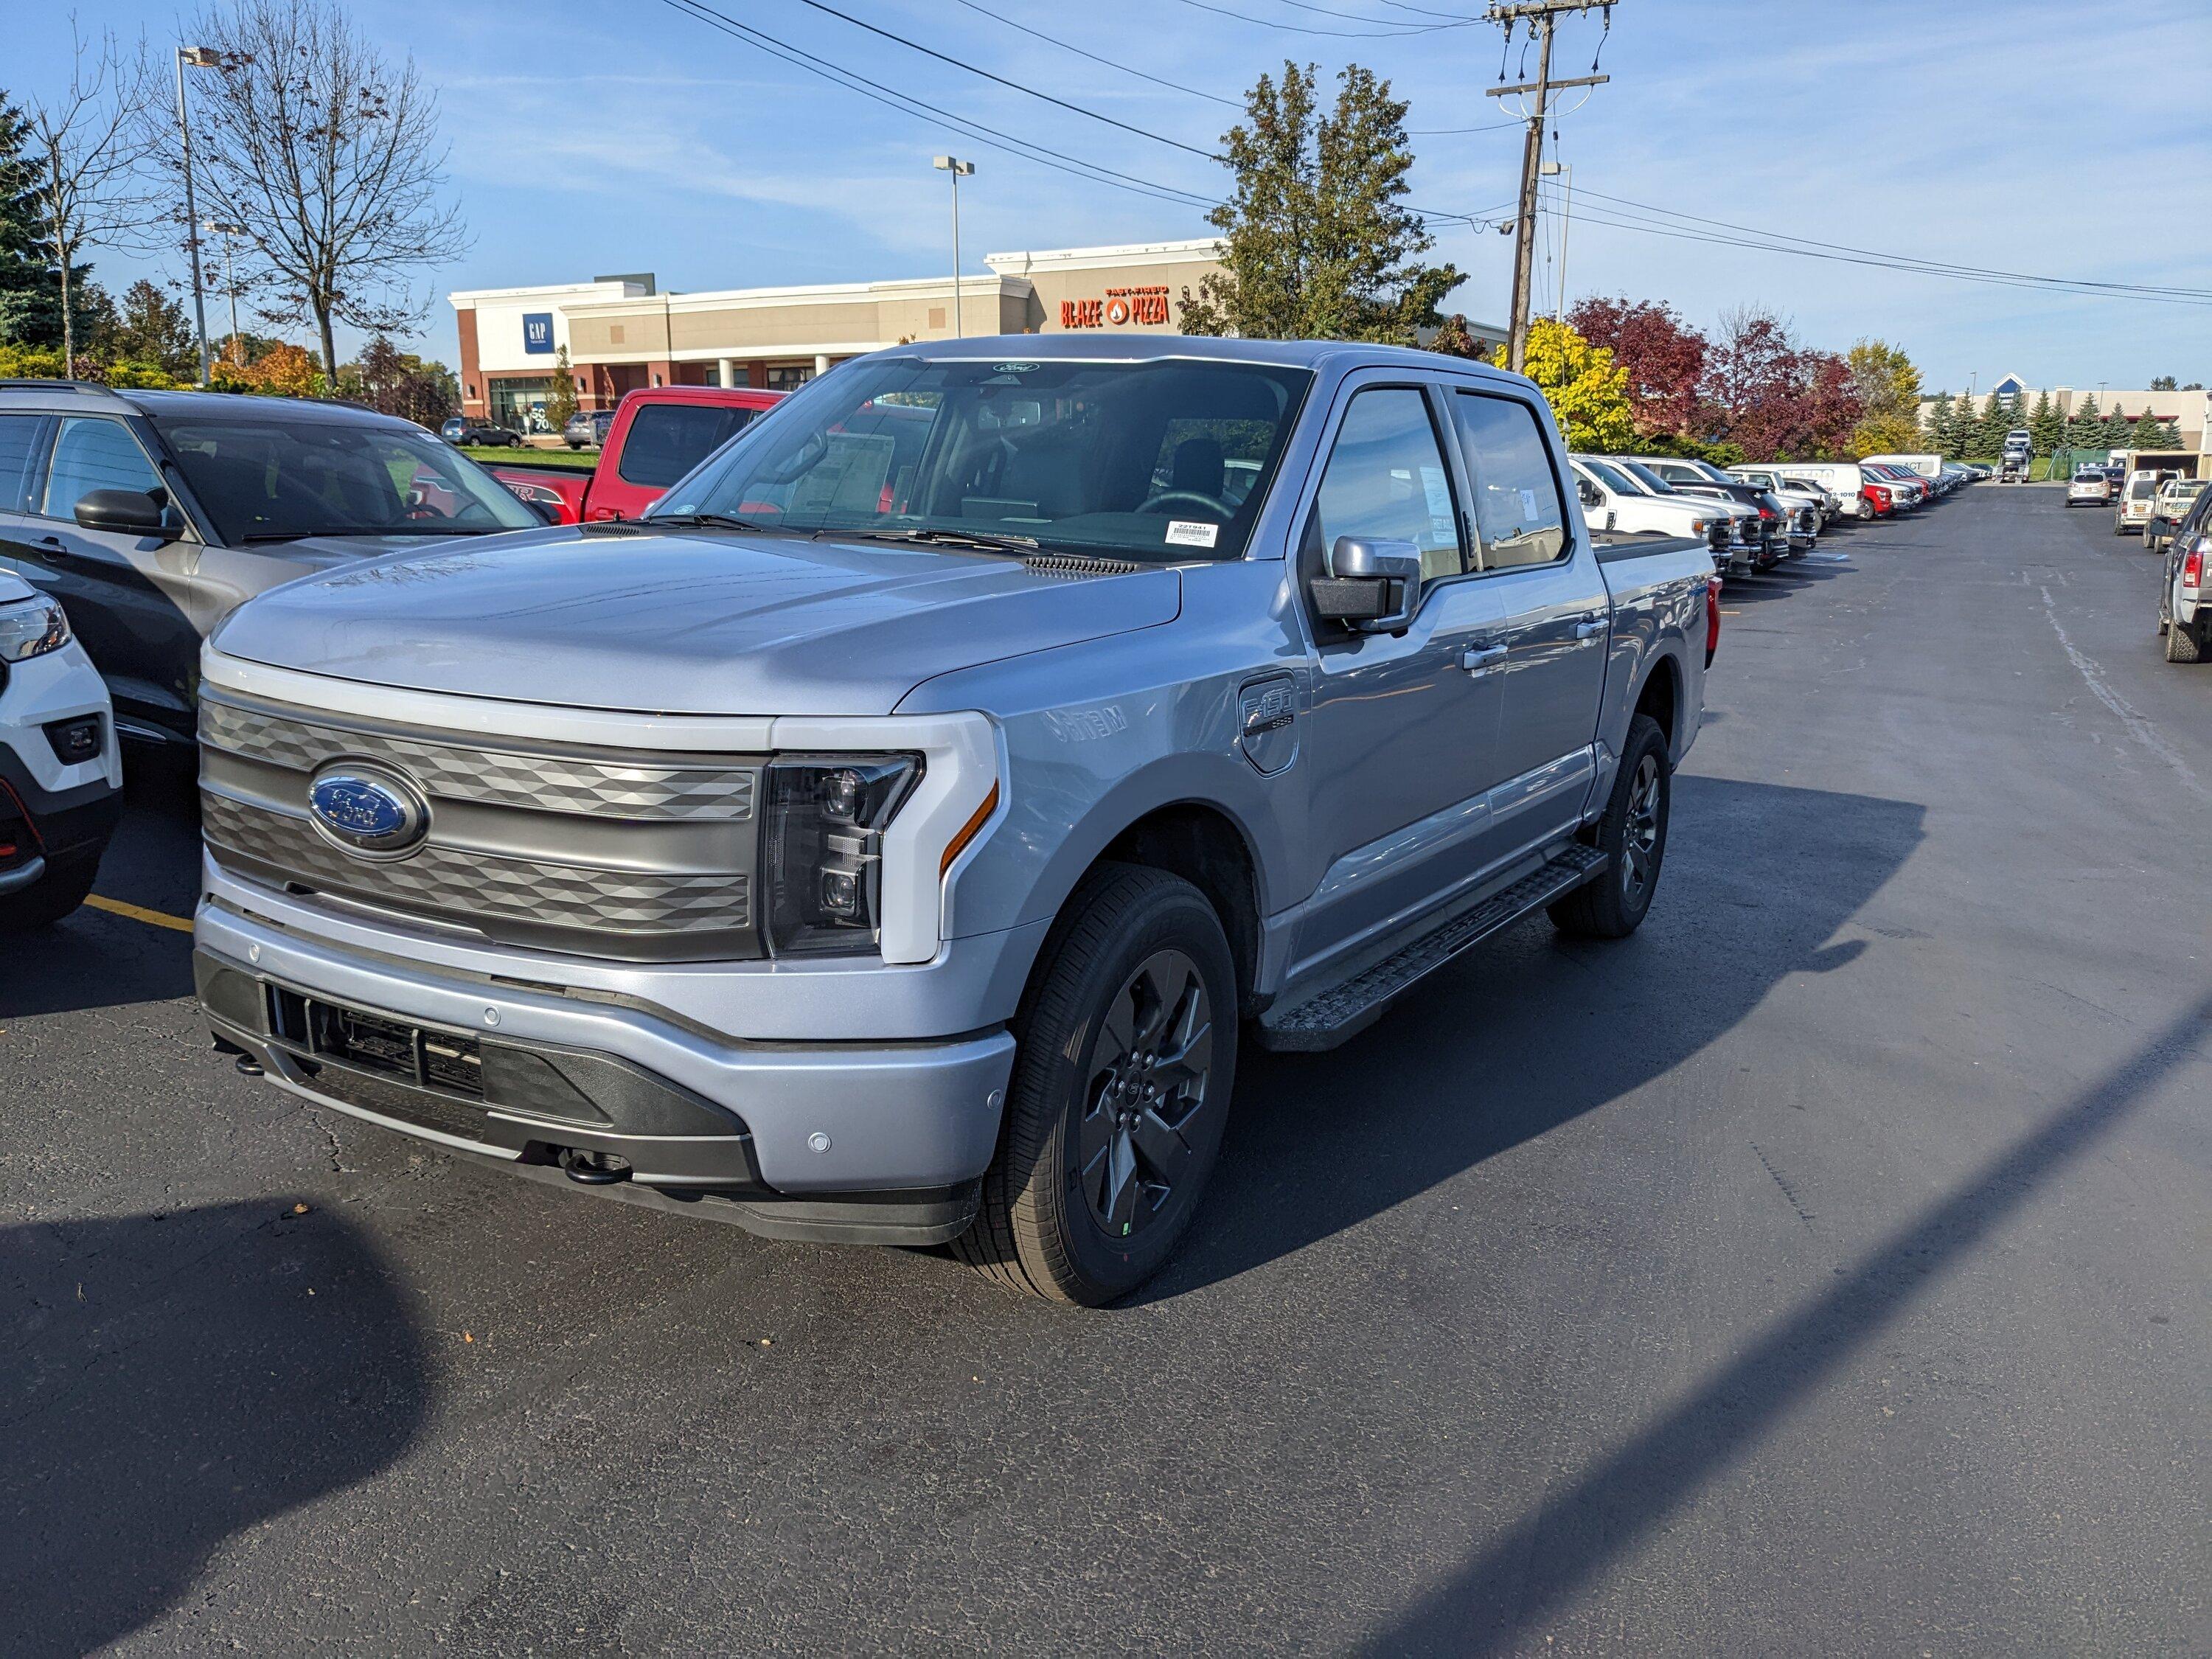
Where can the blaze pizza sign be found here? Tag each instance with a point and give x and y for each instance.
(1121, 307)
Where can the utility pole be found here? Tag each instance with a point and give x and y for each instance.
(1540, 16)
(1561, 170)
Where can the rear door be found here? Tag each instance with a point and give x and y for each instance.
(128, 597)
(1403, 730)
(1556, 616)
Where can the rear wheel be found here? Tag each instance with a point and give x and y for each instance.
(1120, 1092)
(2184, 641)
(1632, 835)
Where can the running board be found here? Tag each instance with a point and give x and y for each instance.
(1332, 1016)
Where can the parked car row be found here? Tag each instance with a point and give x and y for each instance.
(2184, 595)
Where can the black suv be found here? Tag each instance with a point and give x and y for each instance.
(150, 515)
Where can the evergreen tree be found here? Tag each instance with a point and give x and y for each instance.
(1990, 430)
(1316, 241)
(2085, 422)
(151, 329)
(2119, 431)
(561, 401)
(30, 286)
(1937, 423)
(2046, 428)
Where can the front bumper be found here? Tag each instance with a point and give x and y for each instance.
(867, 1142)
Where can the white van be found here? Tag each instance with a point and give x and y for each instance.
(1929, 467)
(1841, 479)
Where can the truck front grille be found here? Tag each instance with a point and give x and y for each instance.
(635, 857)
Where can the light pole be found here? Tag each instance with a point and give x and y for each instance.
(959, 170)
(1561, 169)
(197, 57)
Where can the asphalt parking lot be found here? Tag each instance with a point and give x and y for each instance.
(1828, 1268)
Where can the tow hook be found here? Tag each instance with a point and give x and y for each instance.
(590, 1169)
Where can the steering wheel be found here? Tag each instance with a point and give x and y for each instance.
(1196, 497)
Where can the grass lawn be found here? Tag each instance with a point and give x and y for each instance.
(582, 459)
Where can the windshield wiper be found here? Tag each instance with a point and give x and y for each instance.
(704, 521)
(931, 537)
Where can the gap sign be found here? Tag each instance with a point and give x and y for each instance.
(538, 331)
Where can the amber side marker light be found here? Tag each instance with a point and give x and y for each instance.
(968, 830)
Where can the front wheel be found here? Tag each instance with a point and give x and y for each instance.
(1632, 835)
(1120, 1092)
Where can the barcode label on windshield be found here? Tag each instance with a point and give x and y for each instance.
(1189, 532)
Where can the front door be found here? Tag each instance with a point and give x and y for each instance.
(1403, 728)
(1556, 613)
(128, 597)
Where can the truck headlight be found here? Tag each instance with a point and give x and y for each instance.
(824, 852)
(31, 627)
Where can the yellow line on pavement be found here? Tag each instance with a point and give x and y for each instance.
(139, 913)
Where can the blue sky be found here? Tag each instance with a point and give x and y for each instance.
(629, 136)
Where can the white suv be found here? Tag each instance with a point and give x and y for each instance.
(61, 777)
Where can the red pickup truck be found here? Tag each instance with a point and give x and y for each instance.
(659, 434)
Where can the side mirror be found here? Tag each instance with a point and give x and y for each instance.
(1587, 493)
(1373, 585)
(128, 512)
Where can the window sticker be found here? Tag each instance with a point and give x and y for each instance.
(1189, 532)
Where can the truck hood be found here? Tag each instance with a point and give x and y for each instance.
(683, 622)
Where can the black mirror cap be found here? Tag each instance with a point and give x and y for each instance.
(127, 512)
(1351, 598)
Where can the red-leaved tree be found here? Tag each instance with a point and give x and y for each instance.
(1664, 355)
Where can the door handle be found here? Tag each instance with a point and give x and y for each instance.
(54, 544)
(1480, 660)
(1590, 627)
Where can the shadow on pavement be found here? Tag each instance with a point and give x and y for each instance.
(169, 1381)
(1606, 1511)
(1533, 1030)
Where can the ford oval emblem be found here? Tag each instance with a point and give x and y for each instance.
(367, 810)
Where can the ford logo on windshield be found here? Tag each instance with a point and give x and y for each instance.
(367, 810)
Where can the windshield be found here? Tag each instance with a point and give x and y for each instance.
(1652, 482)
(1159, 461)
(265, 480)
(1614, 479)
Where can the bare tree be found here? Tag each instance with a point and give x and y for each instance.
(89, 143)
(329, 159)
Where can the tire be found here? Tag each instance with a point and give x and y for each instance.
(63, 889)
(1094, 1184)
(1614, 905)
(2184, 642)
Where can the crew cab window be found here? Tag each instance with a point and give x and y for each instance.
(1519, 518)
(18, 433)
(92, 452)
(1388, 479)
(667, 441)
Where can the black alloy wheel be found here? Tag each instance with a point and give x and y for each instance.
(1148, 1072)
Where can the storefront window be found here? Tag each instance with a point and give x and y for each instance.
(519, 404)
(788, 377)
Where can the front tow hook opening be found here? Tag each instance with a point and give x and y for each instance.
(590, 1169)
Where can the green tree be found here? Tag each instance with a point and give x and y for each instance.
(2162, 383)
(1938, 423)
(151, 329)
(2119, 431)
(2046, 428)
(561, 402)
(2150, 432)
(1316, 241)
(2085, 422)
(1587, 390)
(1887, 387)
(30, 282)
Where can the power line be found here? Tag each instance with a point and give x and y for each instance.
(1012, 86)
(1684, 226)
(908, 104)
(1937, 266)
(1298, 28)
(1612, 219)
(1064, 45)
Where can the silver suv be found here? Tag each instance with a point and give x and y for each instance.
(892, 837)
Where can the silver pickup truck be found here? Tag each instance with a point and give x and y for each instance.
(892, 836)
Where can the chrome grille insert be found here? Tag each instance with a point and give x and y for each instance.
(649, 857)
